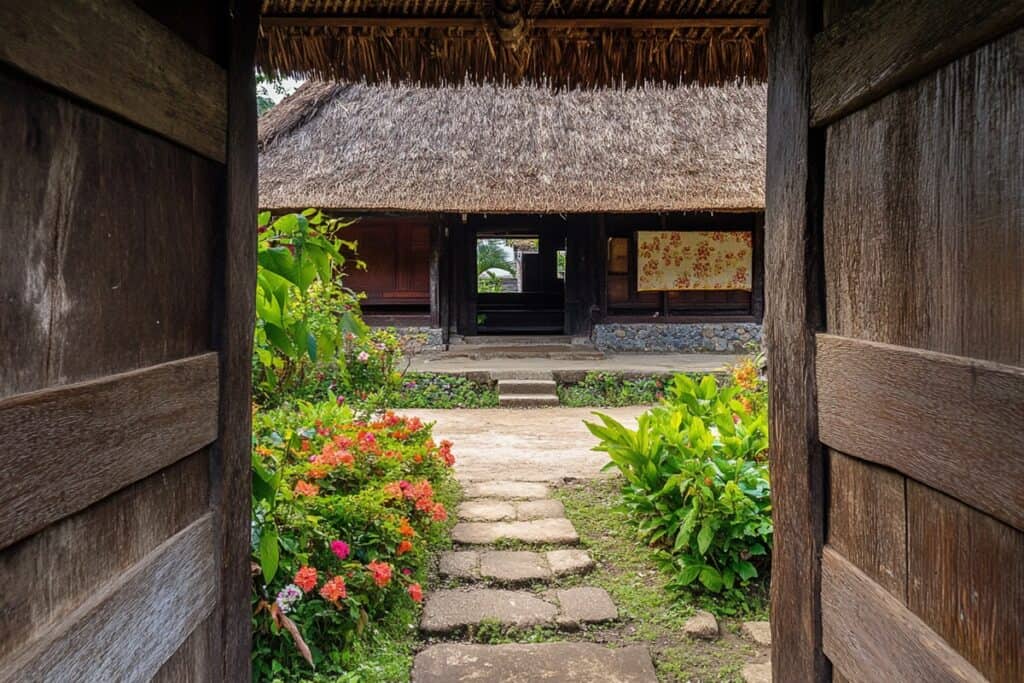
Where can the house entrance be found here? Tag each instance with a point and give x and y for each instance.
(520, 281)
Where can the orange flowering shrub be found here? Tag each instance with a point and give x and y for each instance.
(345, 514)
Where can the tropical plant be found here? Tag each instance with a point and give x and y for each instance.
(304, 315)
(491, 254)
(697, 482)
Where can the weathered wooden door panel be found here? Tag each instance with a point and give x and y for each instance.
(126, 265)
(911, 193)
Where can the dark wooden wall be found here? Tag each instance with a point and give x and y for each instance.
(895, 254)
(397, 253)
(127, 182)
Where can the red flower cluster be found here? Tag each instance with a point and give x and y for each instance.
(421, 494)
(334, 590)
(305, 579)
(445, 453)
(381, 572)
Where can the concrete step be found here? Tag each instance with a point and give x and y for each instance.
(494, 510)
(527, 401)
(567, 662)
(559, 530)
(455, 610)
(514, 566)
(519, 387)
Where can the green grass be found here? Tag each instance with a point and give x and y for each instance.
(649, 613)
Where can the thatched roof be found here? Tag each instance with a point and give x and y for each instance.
(564, 43)
(481, 149)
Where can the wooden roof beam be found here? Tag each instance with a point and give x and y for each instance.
(544, 23)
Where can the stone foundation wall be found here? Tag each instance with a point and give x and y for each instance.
(421, 338)
(699, 337)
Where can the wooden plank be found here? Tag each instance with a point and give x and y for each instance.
(925, 222)
(968, 581)
(48, 575)
(76, 444)
(127, 270)
(872, 636)
(116, 56)
(539, 24)
(794, 310)
(232, 326)
(867, 519)
(927, 415)
(876, 48)
(129, 628)
(191, 663)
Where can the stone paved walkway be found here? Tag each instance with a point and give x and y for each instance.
(519, 511)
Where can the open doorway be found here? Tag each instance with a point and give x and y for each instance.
(520, 286)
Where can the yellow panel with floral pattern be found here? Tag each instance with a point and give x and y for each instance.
(675, 260)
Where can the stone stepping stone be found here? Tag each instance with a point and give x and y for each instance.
(561, 662)
(514, 566)
(702, 625)
(757, 673)
(449, 611)
(506, 490)
(494, 510)
(558, 530)
(758, 631)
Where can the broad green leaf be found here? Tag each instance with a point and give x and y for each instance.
(268, 553)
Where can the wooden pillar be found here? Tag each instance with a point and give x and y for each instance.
(234, 315)
(794, 312)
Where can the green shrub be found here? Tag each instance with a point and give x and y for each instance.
(304, 315)
(697, 483)
(345, 513)
(433, 390)
(611, 389)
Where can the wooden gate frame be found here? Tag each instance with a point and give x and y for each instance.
(817, 379)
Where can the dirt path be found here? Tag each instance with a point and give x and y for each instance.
(540, 444)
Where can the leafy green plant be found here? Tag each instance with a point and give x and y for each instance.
(303, 313)
(697, 483)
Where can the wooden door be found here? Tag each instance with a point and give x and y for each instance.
(127, 183)
(895, 307)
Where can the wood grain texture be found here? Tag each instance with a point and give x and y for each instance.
(793, 312)
(867, 519)
(232, 325)
(872, 636)
(106, 249)
(943, 420)
(76, 444)
(130, 627)
(116, 56)
(192, 662)
(877, 47)
(47, 576)
(924, 220)
(968, 581)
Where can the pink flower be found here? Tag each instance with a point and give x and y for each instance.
(363, 356)
(340, 400)
(340, 548)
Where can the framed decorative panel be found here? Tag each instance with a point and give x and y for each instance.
(703, 260)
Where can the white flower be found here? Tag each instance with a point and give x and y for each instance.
(363, 356)
(288, 596)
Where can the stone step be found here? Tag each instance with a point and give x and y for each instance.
(494, 510)
(535, 387)
(527, 401)
(556, 662)
(453, 611)
(557, 530)
(514, 566)
(506, 490)
(520, 373)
